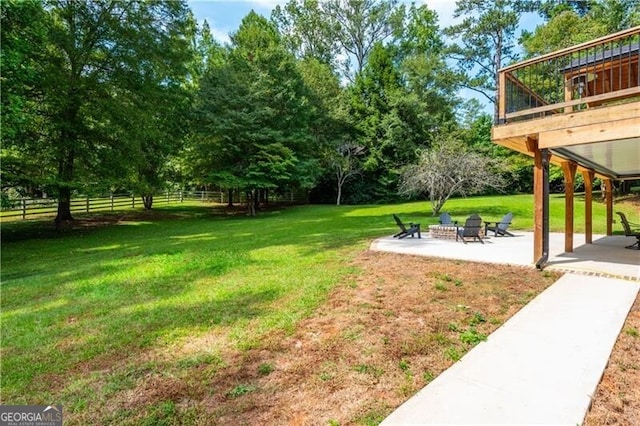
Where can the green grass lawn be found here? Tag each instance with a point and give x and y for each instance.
(74, 306)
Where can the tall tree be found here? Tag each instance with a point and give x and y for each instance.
(421, 33)
(616, 15)
(23, 34)
(484, 42)
(101, 60)
(23, 31)
(305, 30)
(158, 137)
(337, 32)
(373, 97)
(360, 25)
(333, 132)
(403, 96)
(252, 115)
(430, 84)
(567, 26)
(550, 8)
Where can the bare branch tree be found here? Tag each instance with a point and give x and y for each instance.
(359, 24)
(345, 164)
(448, 169)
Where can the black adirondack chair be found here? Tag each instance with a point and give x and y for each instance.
(471, 229)
(499, 228)
(445, 219)
(630, 230)
(405, 231)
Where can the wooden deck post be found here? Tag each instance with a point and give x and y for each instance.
(608, 185)
(569, 171)
(538, 193)
(588, 176)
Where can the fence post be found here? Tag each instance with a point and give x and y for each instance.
(202, 196)
(24, 208)
(88, 204)
(167, 197)
(133, 201)
(221, 197)
(181, 196)
(111, 198)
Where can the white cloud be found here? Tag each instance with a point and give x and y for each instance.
(220, 34)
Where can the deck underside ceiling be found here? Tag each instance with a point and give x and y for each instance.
(605, 140)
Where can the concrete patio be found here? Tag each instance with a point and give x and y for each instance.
(607, 255)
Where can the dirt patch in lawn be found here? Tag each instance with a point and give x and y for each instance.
(379, 338)
(382, 335)
(386, 334)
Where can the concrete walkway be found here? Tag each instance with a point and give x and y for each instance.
(543, 364)
(540, 367)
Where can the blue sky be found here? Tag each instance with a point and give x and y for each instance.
(224, 16)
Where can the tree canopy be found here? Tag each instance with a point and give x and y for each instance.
(97, 71)
(252, 121)
(334, 99)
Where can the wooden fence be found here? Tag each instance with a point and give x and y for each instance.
(23, 208)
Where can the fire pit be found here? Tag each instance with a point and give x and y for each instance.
(446, 232)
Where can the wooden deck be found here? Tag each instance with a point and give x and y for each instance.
(586, 94)
(578, 108)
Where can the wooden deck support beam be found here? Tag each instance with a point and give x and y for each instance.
(611, 130)
(569, 170)
(538, 194)
(588, 176)
(608, 187)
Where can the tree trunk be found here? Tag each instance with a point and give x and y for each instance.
(497, 65)
(65, 175)
(256, 201)
(230, 203)
(250, 205)
(66, 158)
(64, 205)
(339, 182)
(147, 200)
